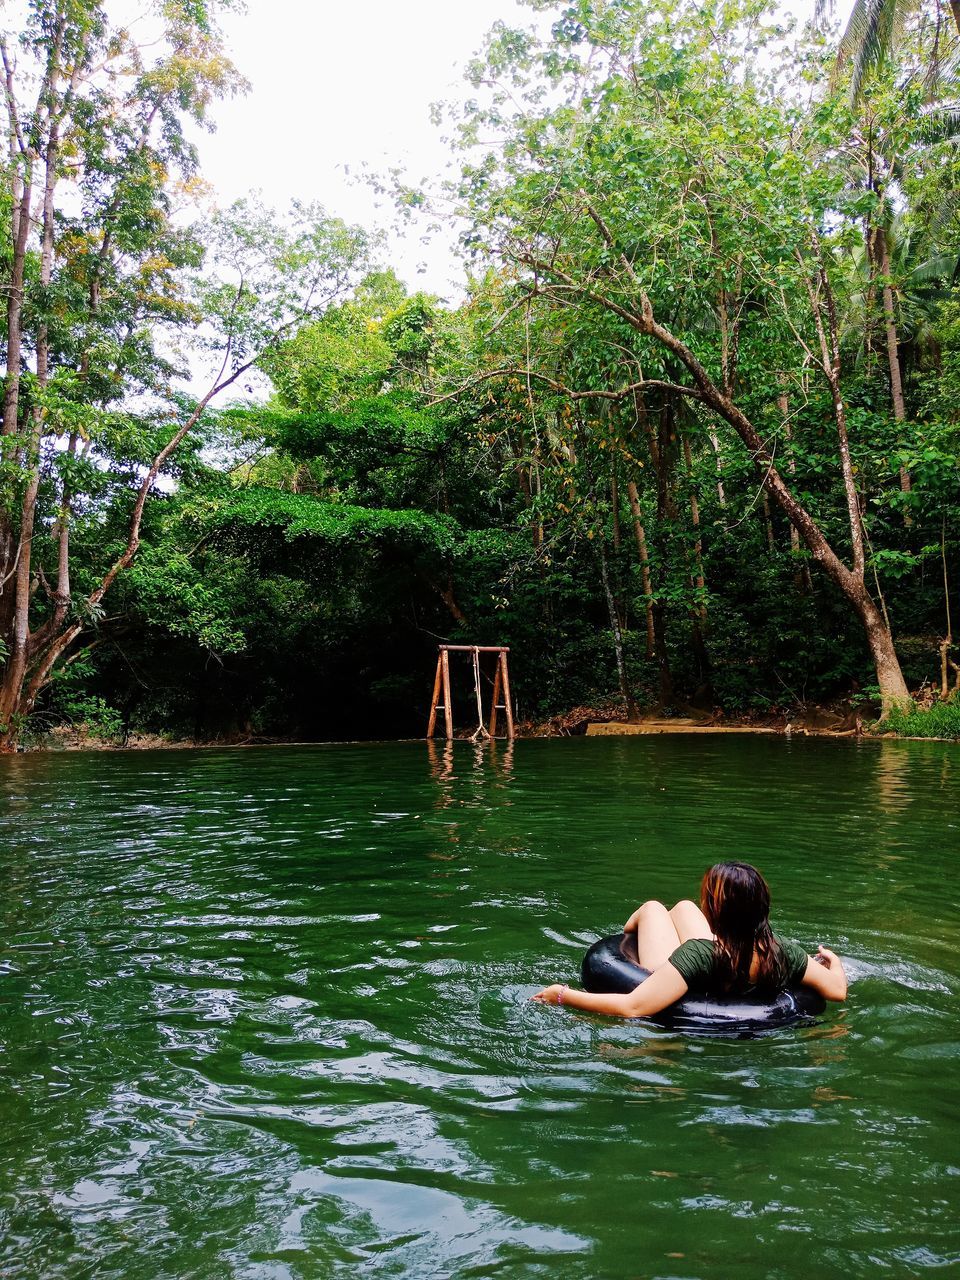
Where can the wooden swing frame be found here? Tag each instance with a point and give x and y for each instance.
(501, 688)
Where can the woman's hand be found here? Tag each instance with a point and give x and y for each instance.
(550, 995)
(825, 974)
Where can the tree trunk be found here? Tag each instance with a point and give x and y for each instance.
(450, 600)
(615, 504)
(893, 689)
(661, 455)
(20, 218)
(664, 674)
(768, 523)
(633, 711)
(882, 247)
(801, 577)
(19, 645)
(698, 612)
(947, 642)
(623, 611)
(20, 222)
(700, 581)
(715, 445)
(634, 500)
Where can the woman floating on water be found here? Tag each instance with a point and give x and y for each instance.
(725, 946)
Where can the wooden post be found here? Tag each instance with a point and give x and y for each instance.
(506, 693)
(496, 698)
(432, 723)
(447, 708)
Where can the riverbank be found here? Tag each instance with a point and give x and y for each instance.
(603, 718)
(69, 738)
(937, 723)
(619, 729)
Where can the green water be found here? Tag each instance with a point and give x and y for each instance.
(265, 1014)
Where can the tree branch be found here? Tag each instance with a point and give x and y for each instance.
(621, 393)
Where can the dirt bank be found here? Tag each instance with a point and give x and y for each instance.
(606, 719)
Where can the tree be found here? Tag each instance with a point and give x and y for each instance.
(97, 270)
(673, 198)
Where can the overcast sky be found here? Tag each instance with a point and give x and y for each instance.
(339, 84)
(336, 85)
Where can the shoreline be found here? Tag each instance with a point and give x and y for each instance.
(528, 732)
(623, 729)
(620, 728)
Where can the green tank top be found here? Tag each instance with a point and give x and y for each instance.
(694, 961)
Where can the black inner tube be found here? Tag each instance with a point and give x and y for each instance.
(612, 965)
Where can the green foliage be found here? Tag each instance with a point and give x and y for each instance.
(489, 472)
(88, 715)
(172, 595)
(941, 720)
(303, 515)
(263, 275)
(119, 280)
(92, 717)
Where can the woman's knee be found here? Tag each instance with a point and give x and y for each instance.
(657, 936)
(685, 904)
(652, 910)
(689, 921)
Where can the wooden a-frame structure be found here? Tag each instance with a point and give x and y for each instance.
(501, 688)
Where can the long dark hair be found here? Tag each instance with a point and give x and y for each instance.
(736, 901)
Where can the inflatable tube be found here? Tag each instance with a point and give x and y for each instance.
(612, 965)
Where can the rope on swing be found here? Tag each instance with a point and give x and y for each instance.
(481, 729)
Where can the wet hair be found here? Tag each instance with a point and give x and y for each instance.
(736, 901)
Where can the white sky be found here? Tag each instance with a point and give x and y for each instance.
(338, 85)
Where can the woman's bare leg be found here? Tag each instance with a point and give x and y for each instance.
(657, 937)
(689, 921)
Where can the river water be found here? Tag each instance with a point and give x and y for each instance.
(265, 1013)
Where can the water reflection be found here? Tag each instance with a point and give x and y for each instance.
(892, 778)
(441, 759)
(490, 758)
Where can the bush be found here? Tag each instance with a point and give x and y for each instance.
(93, 718)
(942, 720)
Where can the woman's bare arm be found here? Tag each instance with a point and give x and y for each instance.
(825, 973)
(662, 988)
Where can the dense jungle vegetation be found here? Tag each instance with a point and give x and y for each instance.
(688, 438)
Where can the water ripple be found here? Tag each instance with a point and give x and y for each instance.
(267, 1014)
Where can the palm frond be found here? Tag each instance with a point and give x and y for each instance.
(940, 77)
(947, 66)
(871, 34)
(945, 213)
(940, 122)
(942, 268)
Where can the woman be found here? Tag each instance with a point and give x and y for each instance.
(723, 946)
